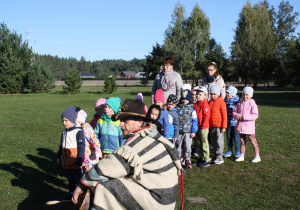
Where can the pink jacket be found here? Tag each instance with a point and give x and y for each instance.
(249, 111)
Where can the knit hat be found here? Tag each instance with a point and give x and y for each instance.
(186, 87)
(100, 101)
(231, 90)
(195, 90)
(215, 89)
(159, 96)
(131, 108)
(172, 99)
(114, 103)
(187, 95)
(249, 91)
(81, 117)
(71, 113)
(202, 89)
(139, 96)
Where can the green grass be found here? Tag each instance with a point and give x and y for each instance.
(30, 128)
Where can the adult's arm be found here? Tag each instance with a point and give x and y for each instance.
(154, 88)
(178, 84)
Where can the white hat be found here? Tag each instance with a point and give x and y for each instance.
(186, 87)
(202, 89)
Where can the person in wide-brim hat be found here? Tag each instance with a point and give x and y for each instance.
(131, 108)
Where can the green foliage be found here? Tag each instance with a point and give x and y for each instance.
(15, 59)
(39, 78)
(73, 82)
(110, 84)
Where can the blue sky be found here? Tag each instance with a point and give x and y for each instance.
(100, 30)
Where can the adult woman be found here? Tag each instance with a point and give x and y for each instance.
(168, 80)
(213, 77)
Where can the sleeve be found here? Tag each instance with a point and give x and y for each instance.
(235, 113)
(253, 113)
(97, 130)
(60, 148)
(176, 124)
(206, 116)
(120, 136)
(194, 122)
(80, 147)
(166, 125)
(224, 115)
(222, 86)
(178, 86)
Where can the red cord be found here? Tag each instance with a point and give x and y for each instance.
(181, 191)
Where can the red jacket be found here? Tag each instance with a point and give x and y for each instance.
(218, 118)
(203, 113)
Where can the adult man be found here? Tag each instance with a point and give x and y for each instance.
(142, 174)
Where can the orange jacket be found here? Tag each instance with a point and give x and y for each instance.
(218, 117)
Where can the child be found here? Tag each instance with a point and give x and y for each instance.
(231, 101)
(109, 132)
(99, 109)
(154, 114)
(140, 97)
(246, 112)
(203, 115)
(188, 125)
(196, 143)
(164, 118)
(71, 150)
(92, 145)
(217, 123)
(173, 118)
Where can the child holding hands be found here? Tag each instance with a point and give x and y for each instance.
(246, 112)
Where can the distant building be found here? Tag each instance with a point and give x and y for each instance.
(126, 74)
(87, 75)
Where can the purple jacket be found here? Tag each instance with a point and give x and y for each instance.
(249, 111)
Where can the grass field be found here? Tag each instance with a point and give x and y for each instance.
(30, 129)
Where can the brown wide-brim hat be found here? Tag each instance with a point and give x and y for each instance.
(131, 108)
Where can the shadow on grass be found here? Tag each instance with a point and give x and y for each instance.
(41, 183)
(278, 99)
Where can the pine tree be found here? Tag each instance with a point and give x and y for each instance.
(110, 84)
(73, 82)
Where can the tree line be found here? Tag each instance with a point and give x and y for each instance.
(264, 48)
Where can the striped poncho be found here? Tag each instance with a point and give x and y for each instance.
(142, 174)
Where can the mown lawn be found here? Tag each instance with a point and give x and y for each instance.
(30, 128)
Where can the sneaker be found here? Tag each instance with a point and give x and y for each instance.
(196, 154)
(219, 160)
(240, 159)
(211, 160)
(204, 164)
(188, 164)
(182, 162)
(237, 154)
(228, 154)
(256, 160)
(199, 160)
(67, 197)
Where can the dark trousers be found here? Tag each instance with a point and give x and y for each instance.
(74, 176)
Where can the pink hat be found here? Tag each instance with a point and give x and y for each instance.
(159, 96)
(81, 117)
(100, 101)
(139, 96)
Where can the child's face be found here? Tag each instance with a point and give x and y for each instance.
(66, 123)
(100, 110)
(159, 103)
(154, 114)
(185, 102)
(228, 95)
(170, 106)
(201, 96)
(214, 96)
(246, 97)
(194, 97)
(108, 111)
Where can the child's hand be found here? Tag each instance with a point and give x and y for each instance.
(192, 135)
(223, 130)
(58, 161)
(175, 139)
(240, 117)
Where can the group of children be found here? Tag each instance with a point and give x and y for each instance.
(181, 121)
(194, 118)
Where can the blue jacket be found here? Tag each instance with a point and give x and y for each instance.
(109, 135)
(230, 105)
(164, 120)
(173, 124)
(188, 122)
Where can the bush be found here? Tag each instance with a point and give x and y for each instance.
(110, 84)
(73, 82)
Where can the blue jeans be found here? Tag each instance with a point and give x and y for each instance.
(233, 135)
